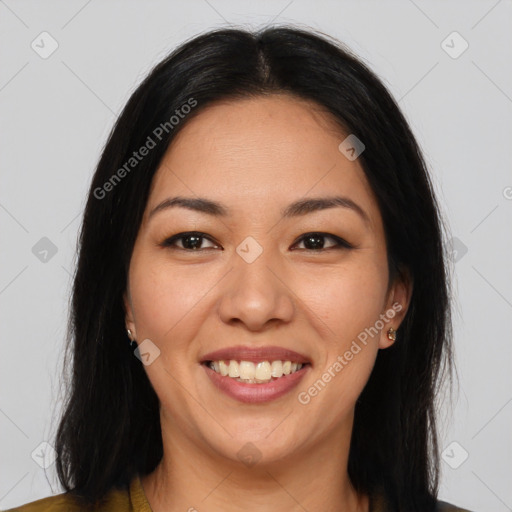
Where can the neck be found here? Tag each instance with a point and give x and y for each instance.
(189, 478)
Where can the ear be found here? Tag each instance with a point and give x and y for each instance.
(129, 318)
(396, 307)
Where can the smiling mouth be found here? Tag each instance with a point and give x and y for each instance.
(250, 372)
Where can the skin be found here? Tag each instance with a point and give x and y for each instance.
(256, 156)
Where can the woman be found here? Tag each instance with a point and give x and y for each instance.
(261, 230)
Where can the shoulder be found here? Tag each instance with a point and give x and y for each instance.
(443, 506)
(115, 501)
(379, 503)
(59, 503)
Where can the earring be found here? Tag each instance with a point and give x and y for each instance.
(391, 334)
(133, 343)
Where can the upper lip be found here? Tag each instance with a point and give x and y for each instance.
(255, 354)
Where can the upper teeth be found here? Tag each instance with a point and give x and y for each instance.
(251, 372)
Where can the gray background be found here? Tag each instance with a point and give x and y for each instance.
(56, 113)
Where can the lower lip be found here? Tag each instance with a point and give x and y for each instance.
(256, 393)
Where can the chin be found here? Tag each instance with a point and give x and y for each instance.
(250, 451)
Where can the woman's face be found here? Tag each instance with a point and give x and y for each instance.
(258, 175)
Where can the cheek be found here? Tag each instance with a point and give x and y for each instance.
(165, 299)
(167, 304)
(349, 303)
(348, 299)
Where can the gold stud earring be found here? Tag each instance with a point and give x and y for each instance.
(391, 334)
(133, 343)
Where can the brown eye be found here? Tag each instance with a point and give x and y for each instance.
(189, 241)
(317, 242)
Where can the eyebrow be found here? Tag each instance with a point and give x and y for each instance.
(297, 209)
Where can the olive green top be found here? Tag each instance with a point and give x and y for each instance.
(134, 500)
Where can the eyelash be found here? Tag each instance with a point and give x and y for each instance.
(169, 242)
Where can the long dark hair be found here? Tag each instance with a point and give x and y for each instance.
(110, 427)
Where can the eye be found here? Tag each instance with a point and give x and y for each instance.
(190, 241)
(194, 241)
(316, 242)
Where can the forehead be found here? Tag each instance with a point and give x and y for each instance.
(270, 149)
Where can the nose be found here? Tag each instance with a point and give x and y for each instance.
(256, 295)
